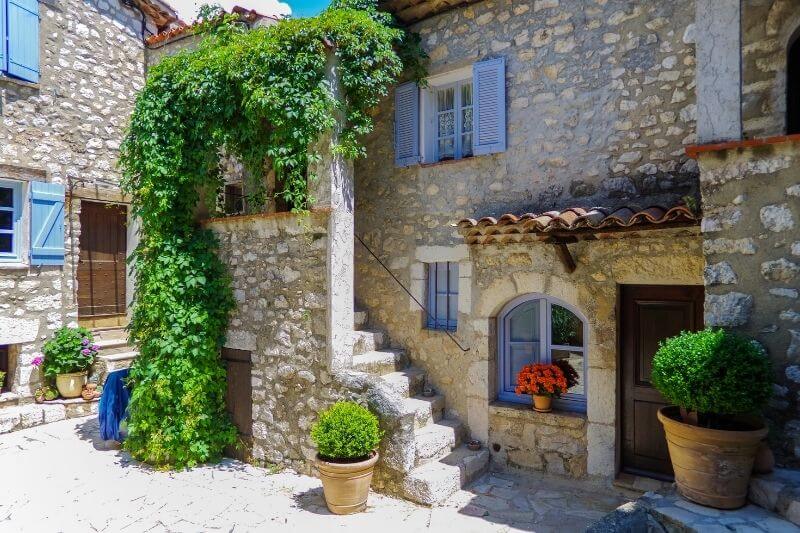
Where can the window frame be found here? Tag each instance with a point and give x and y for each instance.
(569, 401)
(433, 292)
(429, 113)
(16, 255)
(458, 120)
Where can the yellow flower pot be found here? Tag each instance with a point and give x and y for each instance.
(70, 385)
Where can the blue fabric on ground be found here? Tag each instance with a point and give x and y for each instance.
(113, 405)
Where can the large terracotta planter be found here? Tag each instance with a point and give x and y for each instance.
(70, 385)
(542, 403)
(346, 485)
(712, 466)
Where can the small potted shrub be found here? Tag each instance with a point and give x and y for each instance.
(347, 437)
(543, 382)
(67, 358)
(45, 394)
(718, 381)
(2, 380)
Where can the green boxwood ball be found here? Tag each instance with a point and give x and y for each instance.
(714, 372)
(346, 431)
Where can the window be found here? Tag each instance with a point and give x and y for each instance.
(234, 199)
(539, 329)
(458, 114)
(454, 121)
(19, 39)
(442, 296)
(793, 89)
(5, 385)
(10, 221)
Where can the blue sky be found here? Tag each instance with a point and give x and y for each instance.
(187, 9)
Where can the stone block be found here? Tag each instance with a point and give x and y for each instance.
(720, 274)
(777, 218)
(601, 452)
(779, 270)
(731, 309)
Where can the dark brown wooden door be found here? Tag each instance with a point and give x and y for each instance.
(239, 400)
(101, 267)
(650, 314)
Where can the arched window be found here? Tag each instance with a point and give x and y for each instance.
(793, 88)
(539, 329)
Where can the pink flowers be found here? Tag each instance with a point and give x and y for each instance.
(37, 361)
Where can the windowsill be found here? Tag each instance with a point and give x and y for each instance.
(526, 412)
(447, 162)
(14, 81)
(13, 266)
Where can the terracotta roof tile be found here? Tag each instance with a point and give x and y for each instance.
(575, 221)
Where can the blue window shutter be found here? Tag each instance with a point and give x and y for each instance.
(3, 26)
(489, 93)
(406, 125)
(23, 39)
(47, 223)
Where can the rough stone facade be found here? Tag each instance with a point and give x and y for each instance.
(65, 129)
(751, 239)
(600, 100)
(768, 27)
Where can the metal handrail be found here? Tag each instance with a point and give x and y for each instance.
(427, 312)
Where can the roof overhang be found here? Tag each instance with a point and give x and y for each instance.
(411, 11)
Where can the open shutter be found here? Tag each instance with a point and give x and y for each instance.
(23, 39)
(47, 223)
(3, 26)
(489, 93)
(406, 125)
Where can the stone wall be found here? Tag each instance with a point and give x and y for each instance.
(66, 129)
(751, 241)
(768, 26)
(600, 103)
(501, 273)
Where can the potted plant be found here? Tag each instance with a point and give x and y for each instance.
(543, 382)
(67, 357)
(2, 380)
(45, 393)
(717, 381)
(347, 437)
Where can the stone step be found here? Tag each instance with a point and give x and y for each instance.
(9, 399)
(109, 333)
(359, 319)
(113, 346)
(778, 492)
(108, 363)
(367, 341)
(380, 362)
(35, 414)
(427, 410)
(434, 482)
(438, 440)
(407, 382)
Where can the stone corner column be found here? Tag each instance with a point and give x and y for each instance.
(719, 70)
(333, 191)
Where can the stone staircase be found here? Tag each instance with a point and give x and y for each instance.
(115, 352)
(441, 464)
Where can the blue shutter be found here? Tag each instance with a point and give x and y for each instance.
(3, 26)
(47, 223)
(489, 93)
(406, 125)
(23, 39)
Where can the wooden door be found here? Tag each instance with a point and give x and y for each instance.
(101, 266)
(650, 314)
(239, 400)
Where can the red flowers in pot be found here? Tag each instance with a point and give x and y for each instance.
(544, 381)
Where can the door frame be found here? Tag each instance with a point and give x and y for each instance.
(619, 426)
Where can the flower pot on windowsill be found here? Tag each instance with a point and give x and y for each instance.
(70, 385)
(542, 403)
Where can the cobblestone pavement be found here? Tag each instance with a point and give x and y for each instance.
(62, 477)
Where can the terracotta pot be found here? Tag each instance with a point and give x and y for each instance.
(542, 404)
(70, 385)
(712, 466)
(346, 485)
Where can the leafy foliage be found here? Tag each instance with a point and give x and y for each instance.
(260, 96)
(714, 372)
(70, 350)
(346, 431)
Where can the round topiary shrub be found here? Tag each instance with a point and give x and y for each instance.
(713, 372)
(346, 431)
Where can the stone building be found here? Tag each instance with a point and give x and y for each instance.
(68, 79)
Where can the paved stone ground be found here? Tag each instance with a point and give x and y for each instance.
(62, 477)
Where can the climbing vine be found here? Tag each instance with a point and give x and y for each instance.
(260, 96)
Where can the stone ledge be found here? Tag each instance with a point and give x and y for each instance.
(555, 418)
(71, 401)
(6, 80)
(696, 150)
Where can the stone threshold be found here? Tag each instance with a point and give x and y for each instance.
(694, 151)
(640, 484)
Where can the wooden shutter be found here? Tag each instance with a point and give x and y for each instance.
(47, 223)
(3, 26)
(489, 101)
(406, 125)
(23, 39)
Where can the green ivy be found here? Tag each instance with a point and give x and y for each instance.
(259, 95)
